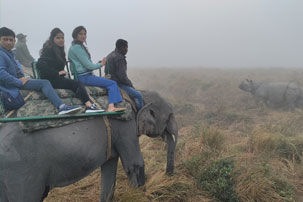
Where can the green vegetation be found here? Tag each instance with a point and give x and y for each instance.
(284, 189)
(218, 180)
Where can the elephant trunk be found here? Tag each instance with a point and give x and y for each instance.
(172, 137)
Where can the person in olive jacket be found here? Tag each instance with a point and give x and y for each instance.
(51, 67)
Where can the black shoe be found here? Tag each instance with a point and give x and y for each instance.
(93, 109)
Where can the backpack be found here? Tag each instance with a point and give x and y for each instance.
(9, 102)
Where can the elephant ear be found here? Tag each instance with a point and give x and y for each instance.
(141, 117)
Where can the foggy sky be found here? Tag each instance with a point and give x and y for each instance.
(170, 33)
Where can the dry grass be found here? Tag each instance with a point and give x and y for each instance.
(216, 121)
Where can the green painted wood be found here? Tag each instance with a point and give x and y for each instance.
(36, 118)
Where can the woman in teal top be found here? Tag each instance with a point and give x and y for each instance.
(84, 66)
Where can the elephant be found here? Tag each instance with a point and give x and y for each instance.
(33, 163)
(275, 94)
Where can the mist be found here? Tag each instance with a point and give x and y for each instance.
(170, 33)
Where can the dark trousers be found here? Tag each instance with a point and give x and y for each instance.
(134, 94)
(75, 86)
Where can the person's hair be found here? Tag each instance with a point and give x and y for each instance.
(121, 43)
(75, 33)
(4, 31)
(50, 44)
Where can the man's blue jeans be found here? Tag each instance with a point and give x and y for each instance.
(46, 88)
(134, 94)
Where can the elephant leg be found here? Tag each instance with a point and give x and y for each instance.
(108, 179)
(137, 176)
(134, 168)
(3, 197)
(132, 161)
(20, 188)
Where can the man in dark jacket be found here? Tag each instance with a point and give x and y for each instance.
(116, 67)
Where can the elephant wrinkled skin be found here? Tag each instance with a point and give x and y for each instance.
(31, 164)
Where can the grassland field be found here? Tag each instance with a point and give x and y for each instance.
(231, 147)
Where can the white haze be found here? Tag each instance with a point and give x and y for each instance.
(171, 33)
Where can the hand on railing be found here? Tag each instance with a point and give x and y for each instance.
(103, 61)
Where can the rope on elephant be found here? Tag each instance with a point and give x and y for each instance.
(108, 127)
(109, 137)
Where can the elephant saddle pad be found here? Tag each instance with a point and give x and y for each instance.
(39, 105)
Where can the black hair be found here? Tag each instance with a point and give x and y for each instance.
(4, 31)
(121, 43)
(50, 44)
(75, 33)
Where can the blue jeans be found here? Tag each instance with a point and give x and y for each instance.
(134, 94)
(45, 87)
(114, 95)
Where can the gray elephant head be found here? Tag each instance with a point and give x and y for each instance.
(247, 85)
(156, 119)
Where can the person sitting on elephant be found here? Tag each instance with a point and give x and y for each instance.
(12, 78)
(116, 67)
(51, 67)
(84, 67)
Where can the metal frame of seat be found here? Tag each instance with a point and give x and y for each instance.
(36, 73)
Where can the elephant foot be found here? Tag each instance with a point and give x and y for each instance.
(136, 176)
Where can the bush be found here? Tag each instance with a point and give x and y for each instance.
(284, 189)
(217, 179)
(196, 163)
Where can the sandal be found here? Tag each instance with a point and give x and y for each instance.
(116, 110)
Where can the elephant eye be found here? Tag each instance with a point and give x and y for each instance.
(152, 113)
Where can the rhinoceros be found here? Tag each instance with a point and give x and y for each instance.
(275, 94)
